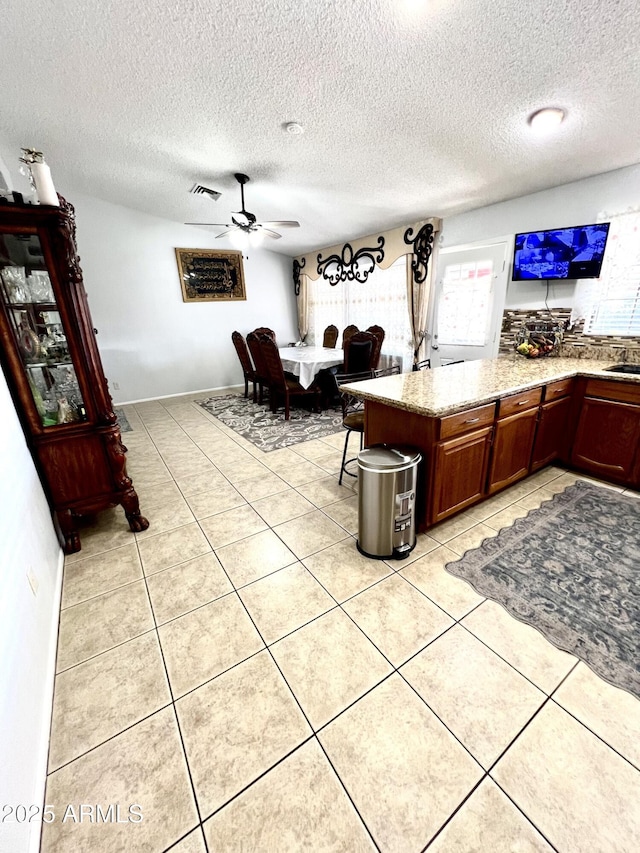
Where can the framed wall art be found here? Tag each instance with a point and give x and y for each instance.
(210, 276)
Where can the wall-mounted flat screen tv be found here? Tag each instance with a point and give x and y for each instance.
(561, 253)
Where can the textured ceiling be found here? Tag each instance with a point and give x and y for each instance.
(411, 108)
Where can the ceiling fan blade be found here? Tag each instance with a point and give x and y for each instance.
(224, 233)
(286, 223)
(273, 234)
(215, 224)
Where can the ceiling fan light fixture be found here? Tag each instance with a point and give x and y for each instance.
(239, 239)
(547, 119)
(245, 230)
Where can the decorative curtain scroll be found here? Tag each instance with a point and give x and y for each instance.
(301, 286)
(350, 265)
(419, 285)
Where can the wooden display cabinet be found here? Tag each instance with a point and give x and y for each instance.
(52, 365)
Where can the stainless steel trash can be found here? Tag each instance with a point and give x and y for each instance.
(386, 501)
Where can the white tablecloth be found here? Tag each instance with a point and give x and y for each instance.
(305, 362)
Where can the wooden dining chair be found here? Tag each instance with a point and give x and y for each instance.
(352, 415)
(264, 330)
(245, 360)
(281, 386)
(347, 334)
(261, 373)
(379, 333)
(425, 364)
(359, 352)
(393, 370)
(330, 337)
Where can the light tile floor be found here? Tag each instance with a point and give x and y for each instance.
(253, 683)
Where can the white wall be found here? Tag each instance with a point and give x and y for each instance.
(28, 627)
(152, 343)
(578, 203)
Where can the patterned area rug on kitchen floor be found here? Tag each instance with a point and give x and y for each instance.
(266, 430)
(571, 569)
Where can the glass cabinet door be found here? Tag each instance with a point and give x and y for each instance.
(39, 333)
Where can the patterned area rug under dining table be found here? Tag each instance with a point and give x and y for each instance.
(270, 431)
(571, 569)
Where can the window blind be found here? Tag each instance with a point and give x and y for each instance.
(615, 309)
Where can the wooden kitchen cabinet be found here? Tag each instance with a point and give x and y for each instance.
(552, 435)
(512, 447)
(459, 461)
(513, 440)
(591, 424)
(459, 473)
(607, 439)
(50, 357)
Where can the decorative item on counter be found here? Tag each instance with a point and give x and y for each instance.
(39, 175)
(535, 340)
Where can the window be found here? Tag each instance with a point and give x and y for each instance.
(381, 300)
(464, 309)
(614, 307)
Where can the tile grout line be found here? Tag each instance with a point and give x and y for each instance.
(173, 700)
(313, 731)
(175, 710)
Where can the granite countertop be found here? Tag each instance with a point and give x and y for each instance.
(455, 387)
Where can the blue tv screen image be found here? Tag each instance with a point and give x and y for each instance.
(561, 253)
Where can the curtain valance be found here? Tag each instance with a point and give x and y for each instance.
(354, 260)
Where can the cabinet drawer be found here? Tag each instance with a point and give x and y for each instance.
(519, 402)
(465, 421)
(622, 392)
(561, 388)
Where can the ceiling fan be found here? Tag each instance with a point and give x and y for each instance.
(245, 224)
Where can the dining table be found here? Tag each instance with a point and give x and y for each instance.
(305, 362)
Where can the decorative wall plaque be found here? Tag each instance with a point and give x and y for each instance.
(208, 276)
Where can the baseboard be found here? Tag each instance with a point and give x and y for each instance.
(183, 394)
(43, 763)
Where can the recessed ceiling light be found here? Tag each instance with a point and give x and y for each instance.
(547, 119)
(294, 128)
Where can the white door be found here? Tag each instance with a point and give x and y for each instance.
(468, 301)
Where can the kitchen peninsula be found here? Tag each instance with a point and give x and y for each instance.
(483, 425)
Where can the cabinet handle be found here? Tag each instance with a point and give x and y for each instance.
(472, 421)
(523, 402)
